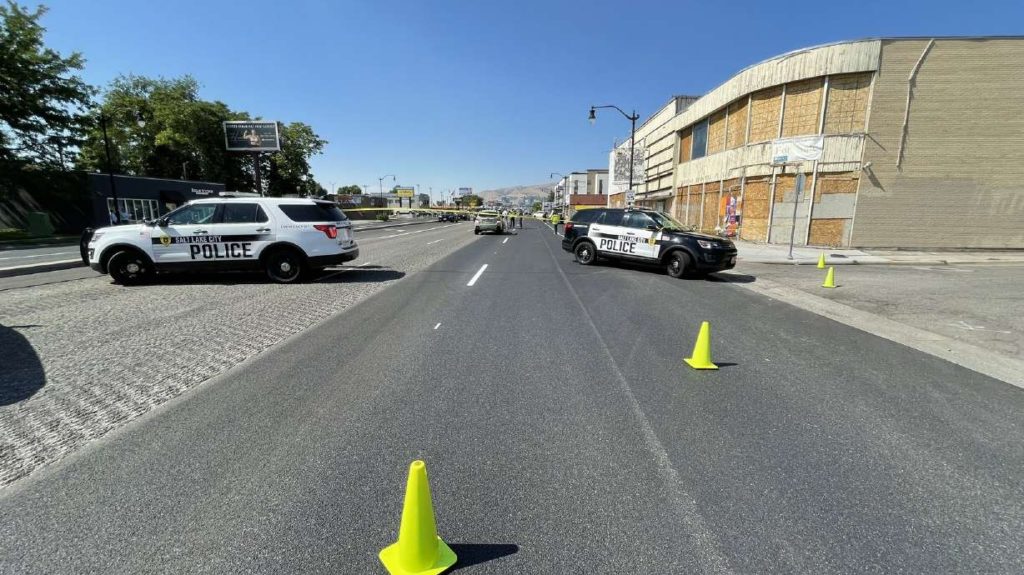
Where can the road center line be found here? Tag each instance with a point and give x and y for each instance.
(477, 276)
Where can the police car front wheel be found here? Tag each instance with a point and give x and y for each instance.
(677, 264)
(284, 266)
(586, 253)
(129, 268)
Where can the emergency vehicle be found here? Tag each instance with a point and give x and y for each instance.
(285, 237)
(645, 236)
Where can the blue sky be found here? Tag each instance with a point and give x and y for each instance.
(486, 94)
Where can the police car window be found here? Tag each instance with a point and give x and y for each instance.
(585, 216)
(666, 222)
(638, 220)
(195, 214)
(241, 213)
(318, 212)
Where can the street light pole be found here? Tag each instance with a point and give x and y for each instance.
(632, 138)
(380, 182)
(110, 168)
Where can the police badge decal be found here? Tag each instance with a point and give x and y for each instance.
(165, 240)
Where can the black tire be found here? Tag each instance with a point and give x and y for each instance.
(284, 266)
(129, 268)
(677, 264)
(476, 231)
(586, 253)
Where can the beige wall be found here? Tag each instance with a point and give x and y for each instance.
(961, 181)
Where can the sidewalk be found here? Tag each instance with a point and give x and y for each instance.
(750, 252)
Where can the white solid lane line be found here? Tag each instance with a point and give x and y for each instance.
(38, 256)
(505, 241)
(477, 276)
(438, 325)
(435, 241)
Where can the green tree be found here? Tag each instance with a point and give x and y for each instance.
(352, 190)
(42, 99)
(290, 172)
(536, 207)
(161, 128)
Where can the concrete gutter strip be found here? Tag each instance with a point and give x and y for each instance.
(39, 268)
(964, 354)
(397, 225)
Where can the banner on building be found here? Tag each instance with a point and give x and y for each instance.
(797, 149)
(620, 167)
(251, 137)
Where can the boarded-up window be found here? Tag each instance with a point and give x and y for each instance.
(803, 107)
(764, 114)
(754, 225)
(847, 104)
(716, 132)
(736, 133)
(709, 207)
(685, 141)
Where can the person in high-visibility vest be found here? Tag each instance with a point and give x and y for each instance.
(554, 222)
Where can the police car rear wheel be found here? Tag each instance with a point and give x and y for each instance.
(677, 264)
(128, 268)
(284, 266)
(585, 253)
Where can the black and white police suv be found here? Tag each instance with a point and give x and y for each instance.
(285, 237)
(645, 236)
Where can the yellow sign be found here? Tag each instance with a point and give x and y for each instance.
(405, 192)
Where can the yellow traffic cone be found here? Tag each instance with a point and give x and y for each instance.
(830, 278)
(701, 356)
(419, 551)
(821, 261)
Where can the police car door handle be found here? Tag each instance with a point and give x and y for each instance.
(200, 232)
(263, 230)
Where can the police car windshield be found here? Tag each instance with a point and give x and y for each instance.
(665, 222)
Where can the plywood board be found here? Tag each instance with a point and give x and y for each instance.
(803, 108)
(716, 132)
(766, 106)
(828, 232)
(736, 132)
(847, 104)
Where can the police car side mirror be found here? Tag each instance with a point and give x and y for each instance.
(162, 222)
(652, 228)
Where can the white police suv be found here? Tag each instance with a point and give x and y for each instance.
(285, 237)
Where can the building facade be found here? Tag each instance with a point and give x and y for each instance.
(920, 146)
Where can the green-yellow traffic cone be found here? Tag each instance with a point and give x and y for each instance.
(418, 551)
(821, 261)
(701, 356)
(830, 278)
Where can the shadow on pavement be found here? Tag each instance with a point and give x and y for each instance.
(21, 372)
(371, 274)
(470, 554)
(729, 277)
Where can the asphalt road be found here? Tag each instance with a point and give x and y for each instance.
(562, 434)
(39, 255)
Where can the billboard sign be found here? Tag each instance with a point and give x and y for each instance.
(251, 137)
(405, 192)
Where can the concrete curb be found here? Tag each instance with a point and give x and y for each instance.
(881, 262)
(40, 268)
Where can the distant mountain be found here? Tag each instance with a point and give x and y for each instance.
(532, 190)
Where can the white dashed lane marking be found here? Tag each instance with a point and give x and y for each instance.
(476, 276)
